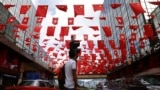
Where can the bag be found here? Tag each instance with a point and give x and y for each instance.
(61, 77)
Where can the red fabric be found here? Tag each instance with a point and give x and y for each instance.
(120, 27)
(70, 21)
(133, 27)
(24, 9)
(41, 10)
(50, 30)
(28, 39)
(64, 31)
(39, 20)
(89, 18)
(11, 19)
(85, 36)
(55, 21)
(67, 42)
(101, 44)
(102, 18)
(112, 44)
(155, 2)
(122, 44)
(93, 56)
(62, 7)
(115, 5)
(120, 20)
(98, 7)
(94, 28)
(7, 6)
(90, 44)
(107, 30)
(37, 29)
(78, 10)
(137, 8)
(148, 31)
(133, 36)
(25, 20)
(76, 27)
(95, 35)
(142, 45)
(2, 26)
(132, 49)
(22, 27)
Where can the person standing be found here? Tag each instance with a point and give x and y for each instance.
(71, 72)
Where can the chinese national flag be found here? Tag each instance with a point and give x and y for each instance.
(90, 44)
(78, 10)
(37, 29)
(101, 44)
(148, 30)
(39, 20)
(22, 26)
(133, 27)
(41, 10)
(98, 7)
(64, 31)
(112, 44)
(102, 18)
(76, 27)
(7, 6)
(94, 28)
(132, 49)
(24, 9)
(107, 30)
(50, 31)
(55, 21)
(137, 8)
(62, 7)
(142, 45)
(25, 20)
(120, 20)
(70, 21)
(115, 5)
(155, 2)
(11, 19)
(2, 26)
(85, 37)
(133, 36)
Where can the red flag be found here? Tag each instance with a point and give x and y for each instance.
(37, 28)
(133, 27)
(85, 37)
(132, 49)
(148, 31)
(50, 31)
(133, 36)
(97, 7)
(102, 18)
(2, 26)
(90, 44)
(39, 20)
(25, 20)
(55, 21)
(137, 8)
(120, 27)
(112, 44)
(24, 9)
(28, 39)
(107, 30)
(142, 45)
(11, 19)
(93, 56)
(7, 6)
(120, 20)
(89, 18)
(155, 2)
(21, 26)
(76, 27)
(101, 44)
(94, 28)
(67, 42)
(95, 35)
(64, 31)
(41, 10)
(78, 10)
(115, 5)
(70, 21)
(62, 7)
(122, 41)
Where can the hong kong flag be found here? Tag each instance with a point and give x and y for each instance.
(78, 10)
(41, 10)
